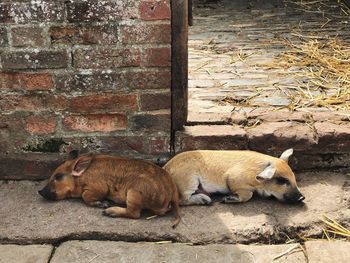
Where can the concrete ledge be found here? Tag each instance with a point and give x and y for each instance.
(328, 252)
(25, 254)
(27, 218)
(108, 252)
(326, 144)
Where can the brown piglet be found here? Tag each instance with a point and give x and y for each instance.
(99, 178)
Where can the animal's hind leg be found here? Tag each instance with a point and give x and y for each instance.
(133, 207)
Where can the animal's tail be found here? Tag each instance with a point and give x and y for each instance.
(176, 207)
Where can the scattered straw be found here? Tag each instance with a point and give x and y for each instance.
(334, 230)
(289, 251)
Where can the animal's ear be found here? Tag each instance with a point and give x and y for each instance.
(286, 154)
(82, 164)
(73, 154)
(267, 173)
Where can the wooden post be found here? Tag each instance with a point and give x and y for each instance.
(179, 64)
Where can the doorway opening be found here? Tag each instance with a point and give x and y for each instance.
(263, 56)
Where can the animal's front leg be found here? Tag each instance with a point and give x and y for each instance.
(238, 197)
(92, 199)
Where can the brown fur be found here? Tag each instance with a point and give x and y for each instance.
(198, 174)
(138, 184)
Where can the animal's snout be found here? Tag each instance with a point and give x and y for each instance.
(47, 193)
(295, 197)
(301, 198)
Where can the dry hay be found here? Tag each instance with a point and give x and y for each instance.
(322, 71)
(334, 230)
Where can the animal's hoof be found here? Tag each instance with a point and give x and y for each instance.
(230, 199)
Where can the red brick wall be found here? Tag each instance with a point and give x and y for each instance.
(86, 74)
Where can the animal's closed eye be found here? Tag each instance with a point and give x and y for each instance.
(58, 176)
(281, 181)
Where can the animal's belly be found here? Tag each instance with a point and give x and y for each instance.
(211, 187)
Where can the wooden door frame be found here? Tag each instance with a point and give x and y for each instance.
(179, 63)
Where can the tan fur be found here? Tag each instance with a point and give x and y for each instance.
(138, 184)
(197, 174)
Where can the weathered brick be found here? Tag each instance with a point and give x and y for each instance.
(95, 122)
(3, 37)
(30, 166)
(332, 137)
(91, 10)
(155, 101)
(37, 102)
(26, 81)
(32, 11)
(157, 57)
(141, 34)
(28, 36)
(92, 82)
(106, 58)
(34, 60)
(41, 124)
(105, 103)
(149, 80)
(84, 35)
(155, 10)
(158, 145)
(273, 136)
(214, 137)
(12, 131)
(113, 81)
(122, 145)
(152, 122)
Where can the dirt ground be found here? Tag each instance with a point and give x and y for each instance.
(269, 55)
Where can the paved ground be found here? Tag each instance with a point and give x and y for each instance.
(234, 43)
(27, 218)
(108, 251)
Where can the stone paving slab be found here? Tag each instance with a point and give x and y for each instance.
(27, 218)
(107, 251)
(325, 251)
(25, 254)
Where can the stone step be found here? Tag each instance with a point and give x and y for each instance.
(110, 251)
(27, 218)
(319, 140)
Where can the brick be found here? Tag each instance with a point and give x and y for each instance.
(105, 103)
(28, 166)
(155, 10)
(32, 11)
(333, 137)
(12, 131)
(84, 35)
(91, 10)
(273, 136)
(213, 137)
(143, 34)
(3, 37)
(33, 103)
(113, 81)
(41, 124)
(152, 122)
(43, 59)
(156, 101)
(106, 58)
(26, 81)
(158, 145)
(149, 80)
(122, 145)
(28, 36)
(157, 57)
(92, 82)
(95, 122)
